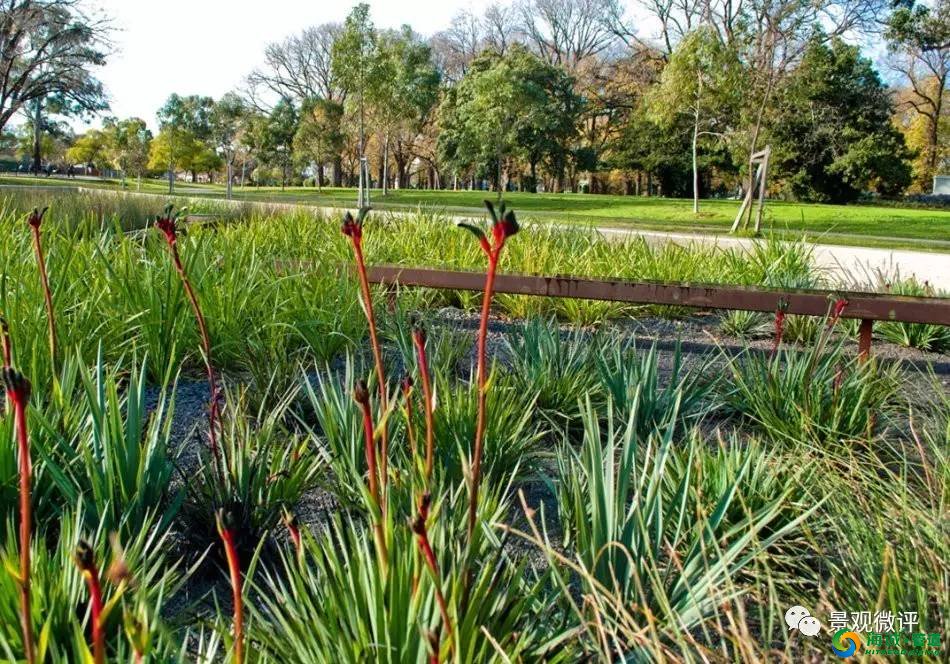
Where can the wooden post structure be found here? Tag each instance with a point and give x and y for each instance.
(761, 158)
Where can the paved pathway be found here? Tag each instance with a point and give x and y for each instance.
(845, 263)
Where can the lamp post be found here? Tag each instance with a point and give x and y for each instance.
(227, 153)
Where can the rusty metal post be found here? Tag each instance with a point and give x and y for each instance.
(864, 339)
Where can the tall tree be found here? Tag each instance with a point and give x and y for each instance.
(507, 109)
(702, 81)
(91, 149)
(919, 39)
(128, 143)
(226, 119)
(48, 48)
(277, 137)
(355, 60)
(185, 123)
(403, 94)
(566, 32)
(833, 137)
(320, 136)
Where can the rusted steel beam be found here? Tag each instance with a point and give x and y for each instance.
(863, 306)
(864, 338)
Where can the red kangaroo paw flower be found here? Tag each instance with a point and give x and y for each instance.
(35, 220)
(353, 228)
(836, 311)
(85, 560)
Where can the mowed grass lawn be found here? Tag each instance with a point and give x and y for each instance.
(860, 224)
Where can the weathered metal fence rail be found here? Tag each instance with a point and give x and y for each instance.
(866, 307)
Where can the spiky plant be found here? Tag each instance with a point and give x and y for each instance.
(334, 603)
(262, 469)
(504, 225)
(136, 572)
(557, 369)
(107, 451)
(818, 394)
(655, 554)
(632, 377)
(377, 497)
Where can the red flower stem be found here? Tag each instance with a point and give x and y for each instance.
(482, 379)
(377, 358)
(91, 575)
(370, 450)
(206, 346)
(234, 566)
(47, 294)
(26, 522)
(18, 395)
(419, 343)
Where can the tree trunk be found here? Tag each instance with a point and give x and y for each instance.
(934, 139)
(386, 166)
(37, 136)
(337, 171)
(695, 167)
(230, 177)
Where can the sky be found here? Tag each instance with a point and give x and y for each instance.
(208, 46)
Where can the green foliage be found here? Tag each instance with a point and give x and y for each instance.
(833, 136)
(631, 380)
(816, 395)
(934, 338)
(128, 143)
(335, 603)
(557, 370)
(511, 106)
(113, 458)
(513, 441)
(261, 470)
(659, 546)
(59, 591)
